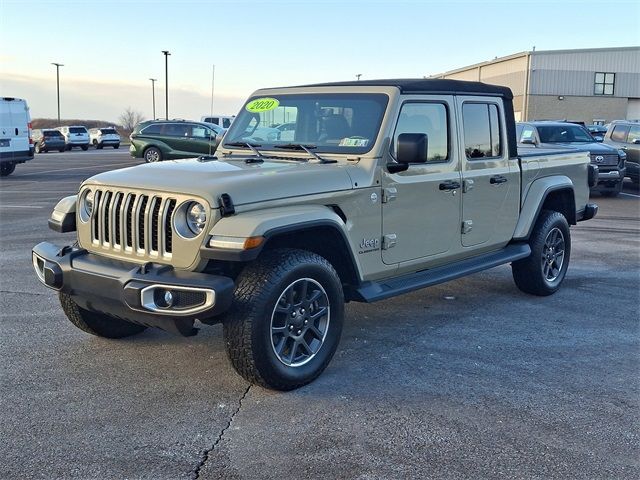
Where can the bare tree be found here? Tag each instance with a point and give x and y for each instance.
(130, 118)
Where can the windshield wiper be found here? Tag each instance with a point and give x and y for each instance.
(253, 147)
(306, 148)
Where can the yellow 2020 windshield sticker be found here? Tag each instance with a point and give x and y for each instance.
(262, 105)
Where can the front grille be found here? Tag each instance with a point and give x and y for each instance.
(134, 223)
(604, 159)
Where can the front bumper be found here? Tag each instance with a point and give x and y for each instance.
(136, 293)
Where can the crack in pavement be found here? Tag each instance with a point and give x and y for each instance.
(26, 293)
(195, 473)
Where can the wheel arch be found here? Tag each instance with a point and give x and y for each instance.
(316, 228)
(549, 193)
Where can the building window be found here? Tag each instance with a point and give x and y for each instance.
(604, 83)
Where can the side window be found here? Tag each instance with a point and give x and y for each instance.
(619, 133)
(198, 131)
(527, 134)
(429, 118)
(226, 122)
(151, 129)
(634, 134)
(481, 123)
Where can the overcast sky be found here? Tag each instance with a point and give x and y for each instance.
(111, 48)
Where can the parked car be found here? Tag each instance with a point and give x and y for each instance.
(625, 135)
(547, 134)
(75, 136)
(104, 137)
(597, 132)
(223, 121)
(16, 144)
(273, 248)
(48, 139)
(157, 140)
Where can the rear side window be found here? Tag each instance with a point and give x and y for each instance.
(77, 130)
(482, 137)
(429, 118)
(176, 130)
(154, 129)
(619, 133)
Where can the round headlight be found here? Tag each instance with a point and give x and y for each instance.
(196, 217)
(86, 205)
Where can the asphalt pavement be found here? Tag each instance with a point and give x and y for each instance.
(471, 379)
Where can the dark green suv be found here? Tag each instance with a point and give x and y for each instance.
(157, 140)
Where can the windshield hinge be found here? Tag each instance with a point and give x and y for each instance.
(389, 194)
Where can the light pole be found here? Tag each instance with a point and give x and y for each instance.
(58, 65)
(213, 79)
(153, 95)
(166, 83)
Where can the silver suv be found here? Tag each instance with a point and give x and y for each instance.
(75, 136)
(104, 137)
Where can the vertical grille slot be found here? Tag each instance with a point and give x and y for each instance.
(155, 220)
(96, 217)
(131, 200)
(117, 219)
(168, 240)
(140, 213)
(108, 196)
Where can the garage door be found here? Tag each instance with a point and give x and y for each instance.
(633, 109)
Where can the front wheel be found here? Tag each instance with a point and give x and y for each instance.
(85, 147)
(542, 272)
(61, 150)
(116, 146)
(95, 323)
(286, 320)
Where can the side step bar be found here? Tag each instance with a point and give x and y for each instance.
(383, 289)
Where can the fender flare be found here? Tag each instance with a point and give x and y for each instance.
(537, 194)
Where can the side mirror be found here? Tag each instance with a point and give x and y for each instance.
(528, 141)
(598, 138)
(411, 148)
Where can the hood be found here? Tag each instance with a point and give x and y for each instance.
(244, 182)
(593, 147)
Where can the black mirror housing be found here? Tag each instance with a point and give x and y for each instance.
(528, 141)
(412, 148)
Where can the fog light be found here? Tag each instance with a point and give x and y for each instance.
(168, 298)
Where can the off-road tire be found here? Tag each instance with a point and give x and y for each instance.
(85, 147)
(152, 154)
(247, 326)
(116, 146)
(61, 150)
(528, 273)
(97, 323)
(612, 193)
(7, 169)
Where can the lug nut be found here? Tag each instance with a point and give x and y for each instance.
(293, 314)
(306, 321)
(290, 327)
(299, 332)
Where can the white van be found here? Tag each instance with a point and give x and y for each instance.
(16, 145)
(223, 121)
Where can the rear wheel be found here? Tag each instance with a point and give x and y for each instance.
(61, 150)
(117, 145)
(7, 169)
(85, 147)
(152, 154)
(286, 320)
(614, 192)
(97, 323)
(544, 270)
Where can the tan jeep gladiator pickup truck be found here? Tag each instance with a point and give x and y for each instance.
(373, 189)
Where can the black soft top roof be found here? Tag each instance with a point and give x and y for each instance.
(430, 85)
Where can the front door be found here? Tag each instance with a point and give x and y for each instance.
(421, 206)
(491, 181)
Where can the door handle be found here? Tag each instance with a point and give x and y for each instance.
(496, 179)
(450, 185)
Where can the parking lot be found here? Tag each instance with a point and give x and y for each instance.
(470, 379)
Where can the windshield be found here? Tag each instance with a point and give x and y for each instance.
(563, 134)
(333, 123)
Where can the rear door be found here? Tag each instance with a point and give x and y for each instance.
(421, 206)
(491, 180)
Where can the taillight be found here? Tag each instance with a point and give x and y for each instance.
(30, 139)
